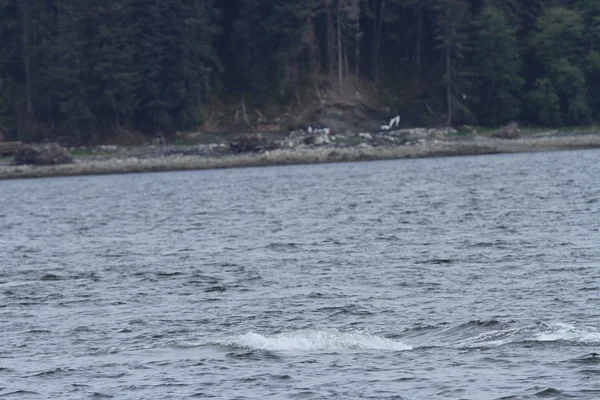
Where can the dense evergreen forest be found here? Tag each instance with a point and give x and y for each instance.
(92, 68)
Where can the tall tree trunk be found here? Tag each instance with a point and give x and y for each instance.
(448, 85)
(405, 33)
(380, 26)
(354, 22)
(244, 112)
(25, 33)
(357, 60)
(374, 40)
(377, 32)
(448, 70)
(313, 49)
(330, 41)
(339, 47)
(418, 42)
(346, 63)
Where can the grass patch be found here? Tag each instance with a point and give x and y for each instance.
(348, 141)
(527, 130)
(474, 131)
(574, 130)
(82, 152)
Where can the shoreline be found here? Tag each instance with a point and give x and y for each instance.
(476, 145)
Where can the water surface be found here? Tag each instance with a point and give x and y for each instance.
(456, 278)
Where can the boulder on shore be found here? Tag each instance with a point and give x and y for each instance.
(510, 131)
(251, 143)
(42, 154)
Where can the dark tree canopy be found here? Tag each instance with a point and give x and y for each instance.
(89, 69)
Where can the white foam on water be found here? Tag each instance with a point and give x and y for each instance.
(540, 333)
(570, 333)
(314, 340)
(489, 339)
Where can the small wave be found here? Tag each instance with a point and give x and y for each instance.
(52, 372)
(19, 393)
(314, 340)
(281, 246)
(437, 261)
(479, 324)
(38, 332)
(99, 395)
(568, 333)
(592, 358)
(467, 334)
(51, 277)
(163, 274)
(541, 332)
(551, 392)
(215, 289)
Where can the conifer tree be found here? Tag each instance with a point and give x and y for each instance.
(176, 62)
(114, 93)
(69, 71)
(89, 68)
(452, 38)
(557, 43)
(8, 50)
(497, 65)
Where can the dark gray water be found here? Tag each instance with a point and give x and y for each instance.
(454, 278)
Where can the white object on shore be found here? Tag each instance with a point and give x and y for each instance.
(324, 131)
(318, 131)
(393, 122)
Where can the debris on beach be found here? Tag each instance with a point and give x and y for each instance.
(42, 154)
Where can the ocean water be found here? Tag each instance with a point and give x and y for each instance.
(450, 278)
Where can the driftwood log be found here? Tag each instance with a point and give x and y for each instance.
(42, 154)
(9, 148)
(510, 131)
(251, 143)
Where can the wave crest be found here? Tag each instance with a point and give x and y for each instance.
(568, 333)
(314, 340)
(541, 332)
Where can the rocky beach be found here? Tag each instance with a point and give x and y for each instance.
(299, 147)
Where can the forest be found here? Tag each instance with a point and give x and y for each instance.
(92, 69)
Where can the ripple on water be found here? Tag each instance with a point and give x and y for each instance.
(19, 393)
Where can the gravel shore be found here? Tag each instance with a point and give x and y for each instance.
(325, 153)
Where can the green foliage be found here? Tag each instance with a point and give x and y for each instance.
(558, 34)
(570, 83)
(590, 11)
(498, 65)
(275, 46)
(5, 112)
(175, 60)
(557, 45)
(254, 51)
(544, 104)
(97, 67)
(592, 70)
(90, 68)
(452, 37)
